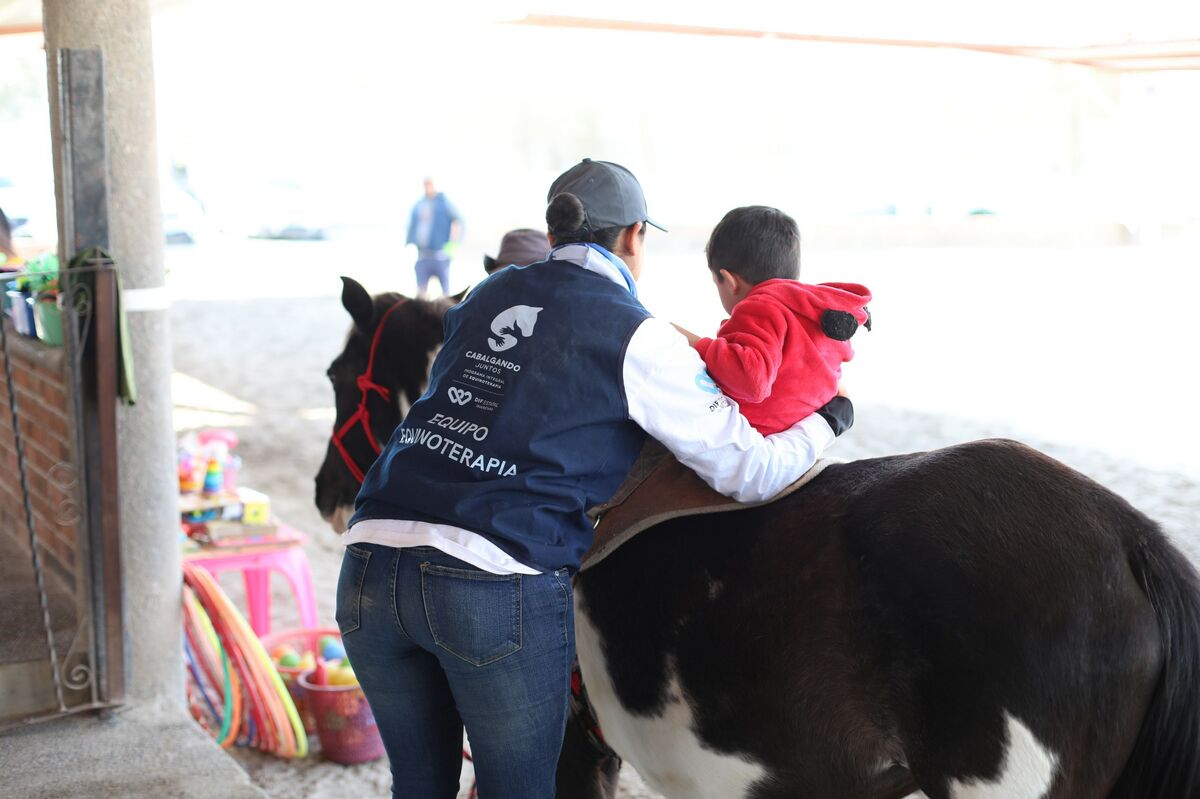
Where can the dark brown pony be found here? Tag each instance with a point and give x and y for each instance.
(978, 621)
(413, 335)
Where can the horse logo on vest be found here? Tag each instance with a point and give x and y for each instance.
(510, 320)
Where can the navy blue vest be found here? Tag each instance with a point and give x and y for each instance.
(525, 424)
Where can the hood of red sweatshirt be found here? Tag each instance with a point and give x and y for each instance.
(812, 301)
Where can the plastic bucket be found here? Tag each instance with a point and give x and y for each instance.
(304, 641)
(345, 724)
(48, 321)
(21, 310)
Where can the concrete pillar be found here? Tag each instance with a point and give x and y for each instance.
(149, 509)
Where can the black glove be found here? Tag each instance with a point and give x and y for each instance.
(839, 412)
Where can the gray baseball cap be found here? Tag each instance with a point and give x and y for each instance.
(611, 195)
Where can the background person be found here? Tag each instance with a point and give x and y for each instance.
(454, 599)
(435, 226)
(519, 247)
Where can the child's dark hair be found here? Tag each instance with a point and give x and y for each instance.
(567, 221)
(757, 243)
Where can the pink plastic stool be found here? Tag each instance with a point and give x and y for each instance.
(256, 562)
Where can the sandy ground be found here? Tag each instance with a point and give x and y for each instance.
(258, 365)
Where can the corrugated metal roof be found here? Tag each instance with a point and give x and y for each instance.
(1106, 34)
(1109, 49)
(20, 16)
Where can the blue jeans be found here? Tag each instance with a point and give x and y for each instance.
(438, 644)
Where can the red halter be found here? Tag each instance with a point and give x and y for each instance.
(366, 385)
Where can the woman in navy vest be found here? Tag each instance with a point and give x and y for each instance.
(454, 599)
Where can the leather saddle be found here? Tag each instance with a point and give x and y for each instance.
(659, 488)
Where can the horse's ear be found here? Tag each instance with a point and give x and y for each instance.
(357, 303)
(457, 298)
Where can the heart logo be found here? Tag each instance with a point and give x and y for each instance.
(459, 396)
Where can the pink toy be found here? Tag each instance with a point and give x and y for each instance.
(220, 435)
(256, 565)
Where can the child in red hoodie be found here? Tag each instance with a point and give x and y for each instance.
(781, 351)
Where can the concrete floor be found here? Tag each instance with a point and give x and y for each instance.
(148, 752)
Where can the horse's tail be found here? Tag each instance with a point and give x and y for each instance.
(1165, 762)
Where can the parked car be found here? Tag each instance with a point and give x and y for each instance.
(182, 214)
(283, 209)
(10, 203)
(29, 207)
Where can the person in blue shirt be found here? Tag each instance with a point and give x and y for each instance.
(435, 226)
(454, 599)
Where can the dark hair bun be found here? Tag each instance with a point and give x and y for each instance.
(565, 214)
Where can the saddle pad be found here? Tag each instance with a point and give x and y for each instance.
(660, 488)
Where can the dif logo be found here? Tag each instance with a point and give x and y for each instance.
(459, 396)
(706, 384)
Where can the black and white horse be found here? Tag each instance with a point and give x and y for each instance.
(977, 622)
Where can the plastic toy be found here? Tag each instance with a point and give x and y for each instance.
(331, 649)
(235, 691)
(207, 462)
(343, 675)
(214, 477)
(287, 658)
(256, 506)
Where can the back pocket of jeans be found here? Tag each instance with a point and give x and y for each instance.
(348, 613)
(473, 615)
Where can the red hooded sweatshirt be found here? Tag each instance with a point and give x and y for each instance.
(773, 355)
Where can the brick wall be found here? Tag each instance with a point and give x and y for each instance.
(45, 410)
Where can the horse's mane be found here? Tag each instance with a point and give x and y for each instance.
(416, 317)
(381, 302)
(386, 300)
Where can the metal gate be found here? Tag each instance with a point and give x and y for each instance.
(60, 610)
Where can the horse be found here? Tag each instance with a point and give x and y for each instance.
(972, 622)
(374, 394)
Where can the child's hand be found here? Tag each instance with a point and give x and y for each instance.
(691, 337)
